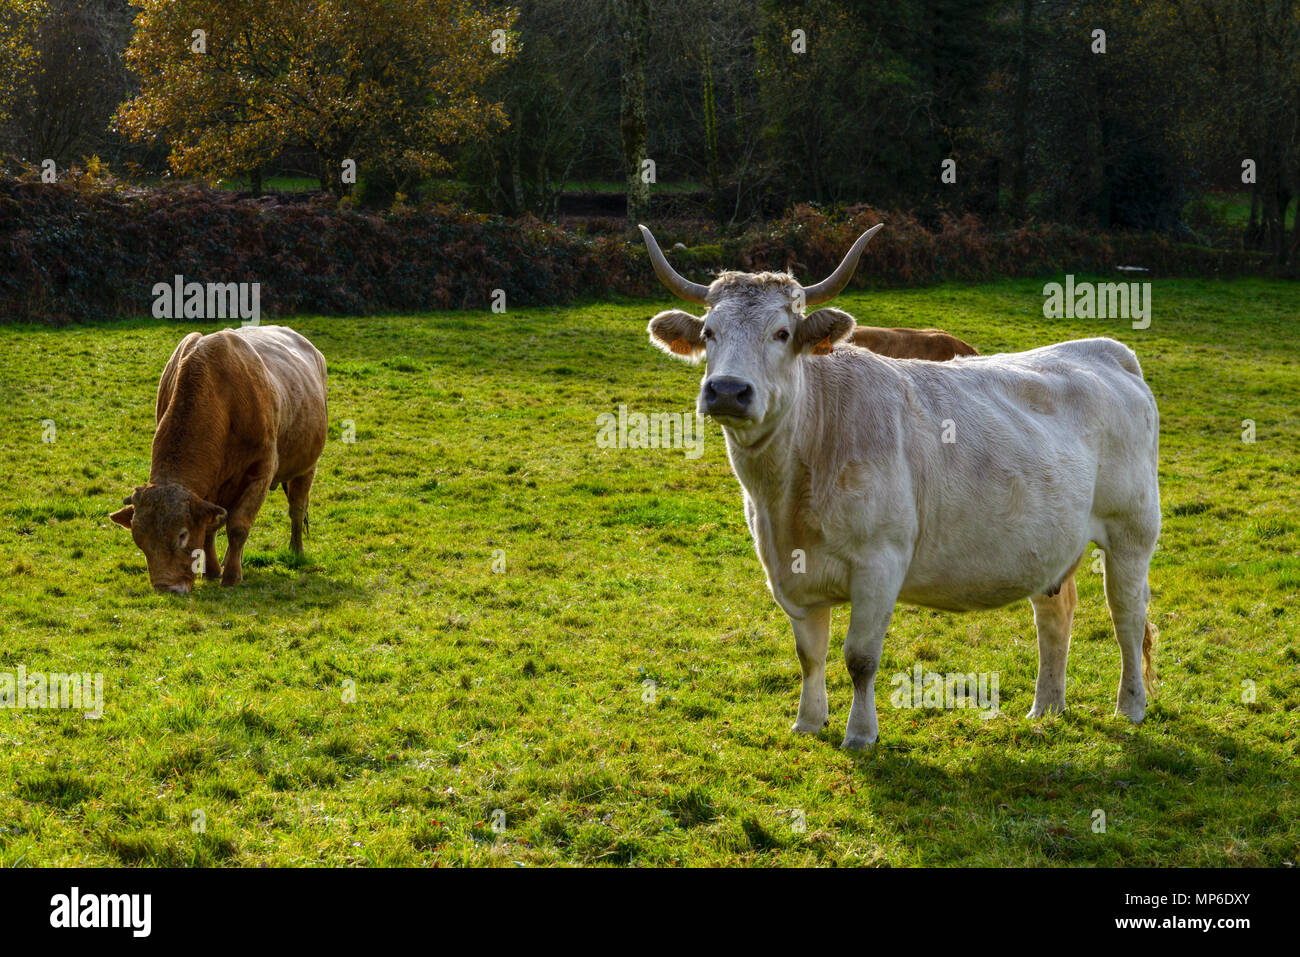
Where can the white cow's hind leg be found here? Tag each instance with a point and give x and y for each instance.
(1127, 595)
(811, 638)
(868, 623)
(1053, 616)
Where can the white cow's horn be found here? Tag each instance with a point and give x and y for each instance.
(830, 287)
(683, 288)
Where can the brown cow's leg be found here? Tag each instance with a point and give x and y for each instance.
(1053, 617)
(211, 564)
(239, 522)
(298, 491)
(236, 535)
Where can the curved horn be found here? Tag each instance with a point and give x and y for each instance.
(830, 287)
(683, 288)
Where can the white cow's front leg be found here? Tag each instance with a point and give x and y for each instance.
(868, 622)
(811, 637)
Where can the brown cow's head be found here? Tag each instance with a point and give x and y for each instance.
(755, 336)
(169, 523)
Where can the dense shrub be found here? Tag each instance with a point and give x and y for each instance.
(905, 252)
(73, 251)
(86, 249)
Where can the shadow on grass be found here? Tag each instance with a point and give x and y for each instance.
(277, 593)
(1174, 778)
(273, 581)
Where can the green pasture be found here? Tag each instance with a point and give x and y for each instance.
(458, 671)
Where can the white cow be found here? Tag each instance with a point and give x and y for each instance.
(957, 485)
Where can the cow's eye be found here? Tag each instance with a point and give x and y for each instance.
(783, 335)
(184, 539)
(708, 333)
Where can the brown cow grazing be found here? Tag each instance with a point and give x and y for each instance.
(934, 344)
(239, 411)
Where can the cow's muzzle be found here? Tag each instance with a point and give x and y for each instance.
(175, 589)
(727, 397)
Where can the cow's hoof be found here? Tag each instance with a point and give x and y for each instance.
(801, 727)
(1043, 710)
(1134, 715)
(856, 742)
(229, 580)
(212, 576)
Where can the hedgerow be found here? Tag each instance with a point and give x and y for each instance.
(86, 248)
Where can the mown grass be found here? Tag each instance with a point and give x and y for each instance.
(288, 184)
(1233, 209)
(620, 187)
(228, 737)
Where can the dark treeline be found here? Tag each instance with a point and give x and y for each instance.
(1108, 114)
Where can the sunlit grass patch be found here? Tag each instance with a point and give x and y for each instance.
(485, 594)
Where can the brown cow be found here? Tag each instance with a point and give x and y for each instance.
(239, 411)
(932, 344)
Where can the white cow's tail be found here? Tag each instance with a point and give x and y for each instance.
(1149, 638)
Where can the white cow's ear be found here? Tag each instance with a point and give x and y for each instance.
(820, 330)
(679, 334)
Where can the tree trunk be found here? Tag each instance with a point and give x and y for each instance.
(1295, 238)
(1283, 204)
(712, 163)
(1020, 119)
(1272, 196)
(633, 21)
(517, 202)
(1251, 239)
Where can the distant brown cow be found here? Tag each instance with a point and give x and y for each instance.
(911, 343)
(238, 412)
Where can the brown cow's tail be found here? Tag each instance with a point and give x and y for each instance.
(1149, 638)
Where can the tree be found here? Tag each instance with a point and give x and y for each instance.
(390, 84)
(706, 115)
(18, 24)
(75, 78)
(554, 94)
(1020, 116)
(868, 99)
(633, 20)
(1243, 101)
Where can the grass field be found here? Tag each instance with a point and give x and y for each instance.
(1233, 209)
(288, 184)
(517, 699)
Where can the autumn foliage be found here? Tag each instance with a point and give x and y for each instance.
(391, 84)
(18, 19)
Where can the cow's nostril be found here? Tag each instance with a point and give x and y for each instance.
(724, 395)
